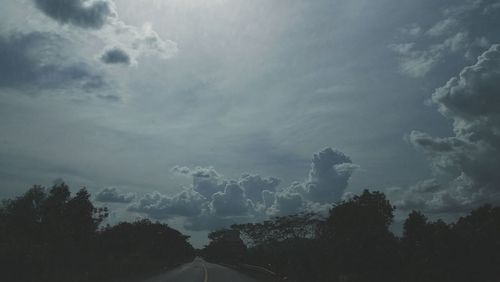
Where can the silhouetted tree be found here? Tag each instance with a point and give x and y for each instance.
(141, 247)
(356, 236)
(426, 248)
(354, 244)
(285, 245)
(298, 226)
(478, 242)
(225, 246)
(51, 236)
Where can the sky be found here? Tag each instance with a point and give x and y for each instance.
(206, 113)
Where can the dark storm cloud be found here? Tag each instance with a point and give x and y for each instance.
(36, 60)
(115, 56)
(114, 195)
(472, 155)
(80, 13)
(213, 201)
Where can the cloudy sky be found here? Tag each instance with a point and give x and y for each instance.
(204, 113)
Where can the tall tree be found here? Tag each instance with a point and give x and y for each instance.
(357, 237)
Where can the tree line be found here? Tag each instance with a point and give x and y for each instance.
(50, 235)
(354, 244)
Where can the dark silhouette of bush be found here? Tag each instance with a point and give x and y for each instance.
(51, 236)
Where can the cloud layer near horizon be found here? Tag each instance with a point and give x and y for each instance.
(213, 201)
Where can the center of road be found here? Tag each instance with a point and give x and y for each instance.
(206, 273)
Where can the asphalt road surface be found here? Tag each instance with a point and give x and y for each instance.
(201, 271)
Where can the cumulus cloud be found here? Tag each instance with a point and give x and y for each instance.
(461, 34)
(255, 185)
(115, 56)
(82, 13)
(181, 170)
(472, 100)
(207, 182)
(416, 196)
(231, 201)
(472, 156)
(473, 94)
(326, 185)
(160, 206)
(102, 17)
(268, 198)
(38, 61)
(418, 62)
(145, 40)
(114, 195)
(287, 203)
(213, 201)
(203, 172)
(328, 177)
(208, 221)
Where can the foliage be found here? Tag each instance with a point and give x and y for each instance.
(279, 229)
(51, 236)
(356, 235)
(354, 244)
(225, 246)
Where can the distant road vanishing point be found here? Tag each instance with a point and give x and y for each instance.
(201, 271)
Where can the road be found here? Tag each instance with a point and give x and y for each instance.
(201, 271)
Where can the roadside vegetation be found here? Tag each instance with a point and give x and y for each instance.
(49, 235)
(354, 244)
